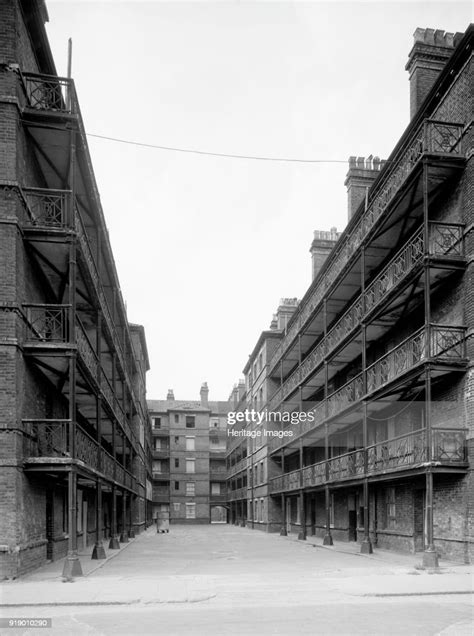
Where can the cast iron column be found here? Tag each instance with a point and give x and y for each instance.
(430, 556)
(283, 531)
(72, 565)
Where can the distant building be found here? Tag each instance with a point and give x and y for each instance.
(189, 469)
(75, 454)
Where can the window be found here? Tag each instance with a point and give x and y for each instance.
(190, 488)
(331, 511)
(190, 511)
(176, 462)
(215, 488)
(190, 465)
(262, 515)
(260, 362)
(157, 443)
(260, 396)
(262, 474)
(176, 507)
(157, 467)
(255, 513)
(190, 421)
(157, 422)
(190, 443)
(176, 418)
(176, 439)
(249, 510)
(176, 485)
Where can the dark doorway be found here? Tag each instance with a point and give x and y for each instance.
(49, 524)
(352, 525)
(419, 520)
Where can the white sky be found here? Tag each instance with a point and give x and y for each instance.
(205, 246)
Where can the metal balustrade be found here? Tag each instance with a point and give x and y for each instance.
(349, 393)
(92, 268)
(51, 439)
(449, 445)
(445, 239)
(46, 208)
(50, 324)
(47, 323)
(401, 452)
(46, 438)
(399, 267)
(314, 475)
(87, 449)
(50, 93)
(86, 351)
(431, 137)
(346, 466)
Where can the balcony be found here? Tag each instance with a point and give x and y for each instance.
(91, 268)
(445, 241)
(50, 93)
(440, 344)
(405, 452)
(442, 139)
(218, 498)
(238, 494)
(46, 208)
(161, 475)
(48, 329)
(48, 443)
(160, 453)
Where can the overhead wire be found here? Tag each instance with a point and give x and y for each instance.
(215, 154)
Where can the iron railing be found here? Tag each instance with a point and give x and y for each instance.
(431, 137)
(446, 239)
(46, 438)
(51, 439)
(46, 208)
(445, 343)
(402, 452)
(47, 323)
(50, 93)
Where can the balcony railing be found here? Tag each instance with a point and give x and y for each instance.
(51, 439)
(403, 452)
(431, 137)
(50, 93)
(94, 274)
(50, 324)
(46, 208)
(218, 498)
(238, 493)
(445, 343)
(47, 323)
(446, 239)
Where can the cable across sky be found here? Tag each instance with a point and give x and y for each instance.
(216, 154)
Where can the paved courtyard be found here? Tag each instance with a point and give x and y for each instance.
(230, 580)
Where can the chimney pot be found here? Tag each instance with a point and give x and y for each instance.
(170, 395)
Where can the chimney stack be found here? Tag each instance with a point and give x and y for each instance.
(322, 244)
(204, 394)
(286, 309)
(431, 50)
(170, 396)
(360, 176)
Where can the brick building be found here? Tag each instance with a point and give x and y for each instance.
(379, 352)
(75, 453)
(189, 469)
